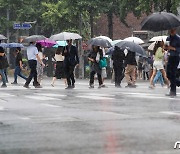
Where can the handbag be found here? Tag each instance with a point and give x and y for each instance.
(103, 62)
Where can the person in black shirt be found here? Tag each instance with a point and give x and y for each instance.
(19, 66)
(118, 57)
(71, 60)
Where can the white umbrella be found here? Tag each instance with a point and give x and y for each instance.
(65, 36)
(151, 47)
(105, 37)
(158, 38)
(134, 39)
(2, 37)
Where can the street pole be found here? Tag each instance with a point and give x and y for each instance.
(8, 33)
(81, 66)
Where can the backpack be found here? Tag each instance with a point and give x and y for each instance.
(103, 62)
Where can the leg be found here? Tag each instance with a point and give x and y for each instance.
(99, 79)
(91, 82)
(3, 77)
(16, 72)
(133, 74)
(152, 76)
(67, 74)
(72, 75)
(127, 74)
(165, 77)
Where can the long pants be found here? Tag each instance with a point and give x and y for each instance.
(17, 73)
(171, 72)
(69, 73)
(145, 75)
(33, 73)
(159, 77)
(118, 71)
(92, 78)
(3, 76)
(130, 74)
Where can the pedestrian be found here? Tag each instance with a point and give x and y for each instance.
(32, 55)
(158, 63)
(140, 67)
(19, 66)
(104, 71)
(173, 47)
(130, 70)
(118, 58)
(71, 60)
(146, 69)
(40, 68)
(59, 70)
(94, 57)
(3, 65)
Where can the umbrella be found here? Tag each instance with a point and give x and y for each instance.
(65, 36)
(115, 41)
(46, 43)
(158, 38)
(134, 39)
(4, 45)
(151, 47)
(104, 37)
(100, 42)
(14, 45)
(34, 38)
(2, 37)
(60, 43)
(160, 21)
(110, 51)
(131, 46)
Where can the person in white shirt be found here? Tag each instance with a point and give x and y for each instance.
(32, 55)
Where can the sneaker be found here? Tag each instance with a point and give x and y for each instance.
(101, 86)
(151, 87)
(73, 86)
(38, 86)
(14, 83)
(3, 86)
(128, 86)
(68, 87)
(171, 94)
(91, 86)
(52, 85)
(26, 86)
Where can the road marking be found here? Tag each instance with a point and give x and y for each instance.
(25, 118)
(171, 113)
(50, 105)
(42, 98)
(96, 97)
(50, 95)
(6, 95)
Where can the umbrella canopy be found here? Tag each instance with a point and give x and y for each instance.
(34, 38)
(160, 21)
(134, 39)
(158, 38)
(115, 41)
(2, 37)
(131, 46)
(4, 45)
(60, 43)
(46, 43)
(65, 36)
(110, 51)
(151, 47)
(105, 37)
(14, 45)
(100, 42)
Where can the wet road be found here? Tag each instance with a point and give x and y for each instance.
(53, 120)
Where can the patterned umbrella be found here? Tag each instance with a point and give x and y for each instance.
(46, 43)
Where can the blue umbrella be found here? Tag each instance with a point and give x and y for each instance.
(60, 43)
(14, 45)
(4, 45)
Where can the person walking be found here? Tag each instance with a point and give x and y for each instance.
(59, 71)
(173, 47)
(130, 70)
(158, 63)
(32, 55)
(40, 68)
(71, 60)
(118, 58)
(3, 65)
(19, 66)
(94, 57)
(146, 69)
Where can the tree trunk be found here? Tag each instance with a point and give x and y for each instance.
(91, 23)
(168, 6)
(110, 24)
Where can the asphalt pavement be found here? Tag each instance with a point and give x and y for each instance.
(52, 120)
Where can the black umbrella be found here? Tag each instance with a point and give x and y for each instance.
(160, 21)
(131, 46)
(100, 42)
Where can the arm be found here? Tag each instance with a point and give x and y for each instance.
(39, 60)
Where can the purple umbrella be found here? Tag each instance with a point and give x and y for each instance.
(46, 43)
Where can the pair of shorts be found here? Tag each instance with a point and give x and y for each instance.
(158, 65)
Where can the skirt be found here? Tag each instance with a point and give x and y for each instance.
(59, 72)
